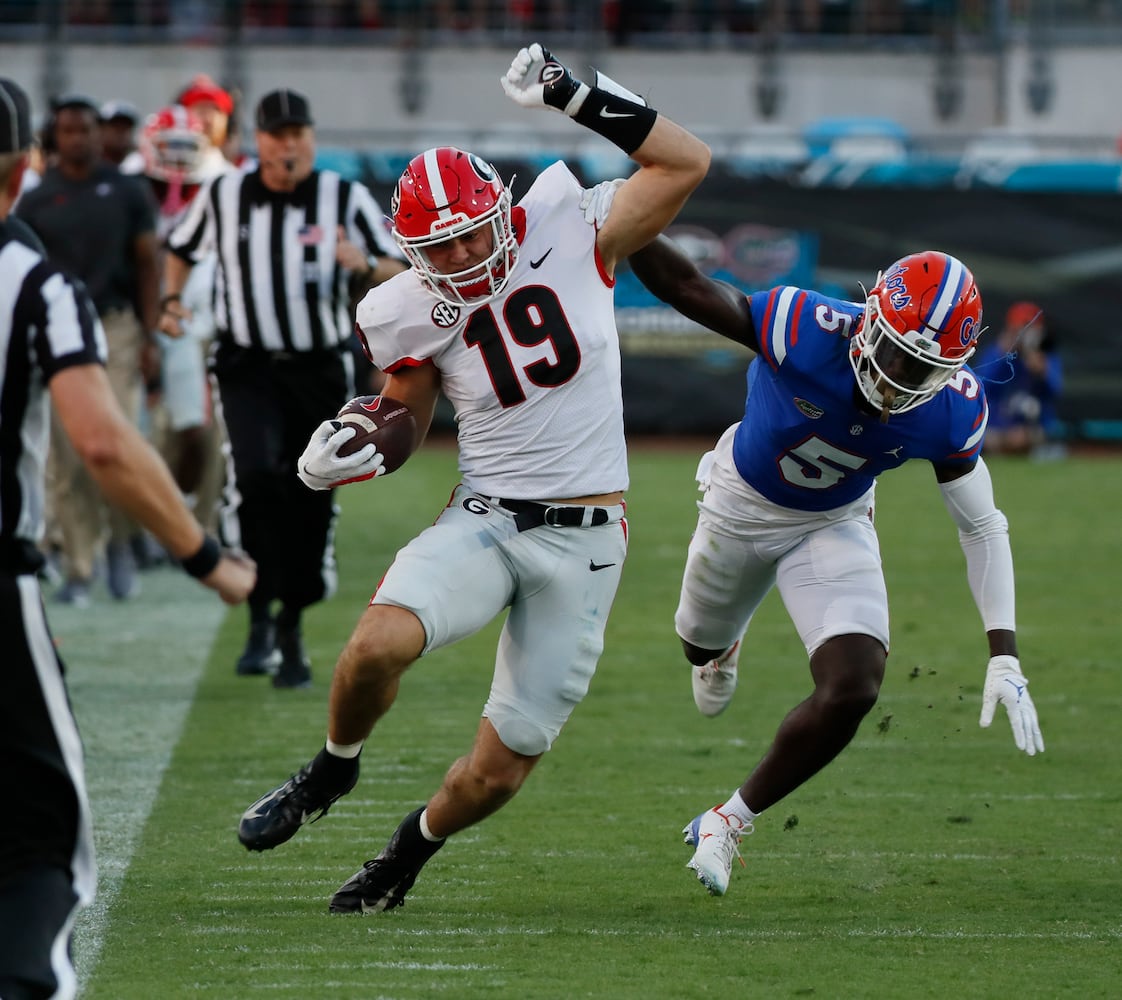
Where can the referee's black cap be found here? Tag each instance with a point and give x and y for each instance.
(15, 117)
(279, 108)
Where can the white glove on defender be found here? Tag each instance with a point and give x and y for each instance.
(597, 201)
(322, 468)
(1006, 684)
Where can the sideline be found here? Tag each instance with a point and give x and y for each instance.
(132, 669)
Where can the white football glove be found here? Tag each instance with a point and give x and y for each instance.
(1006, 684)
(537, 80)
(322, 468)
(597, 201)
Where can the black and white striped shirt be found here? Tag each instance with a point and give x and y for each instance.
(47, 324)
(278, 285)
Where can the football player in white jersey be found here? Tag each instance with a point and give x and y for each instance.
(838, 393)
(178, 160)
(507, 309)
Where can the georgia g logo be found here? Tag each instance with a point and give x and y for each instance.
(474, 505)
(482, 168)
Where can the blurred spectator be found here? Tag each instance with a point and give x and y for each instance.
(36, 167)
(214, 107)
(1023, 377)
(97, 225)
(178, 161)
(119, 120)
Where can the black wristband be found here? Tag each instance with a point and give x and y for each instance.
(168, 299)
(617, 119)
(202, 563)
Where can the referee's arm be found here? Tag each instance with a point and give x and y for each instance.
(131, 475)
(365, 248)
(172, 311)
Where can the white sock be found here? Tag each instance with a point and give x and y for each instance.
(425, 831)
(348, 751)
(735, 807)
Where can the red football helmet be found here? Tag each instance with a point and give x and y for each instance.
(173, 143)
(445, 194)
(921, 324)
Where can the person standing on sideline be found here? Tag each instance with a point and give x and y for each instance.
(509, 310)
(839, 392)
(119, 121)
(179, 160)
(214, 107)
(287, 236)
(99, 226)
(1024, 379)
(52, 352)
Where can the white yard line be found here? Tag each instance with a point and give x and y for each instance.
(132, 670)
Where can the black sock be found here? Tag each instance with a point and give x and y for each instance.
(408, 841)
(334, 770)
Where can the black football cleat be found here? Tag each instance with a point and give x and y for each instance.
(304, 798)
(381, 883)
(260, 655)
(295, 670)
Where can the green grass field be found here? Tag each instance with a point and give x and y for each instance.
(930, 860)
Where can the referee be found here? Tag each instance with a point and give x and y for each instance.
(52, 354)
(289, 239)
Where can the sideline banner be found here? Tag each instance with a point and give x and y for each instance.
(1060, 250)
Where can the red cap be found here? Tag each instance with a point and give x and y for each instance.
(1021, 314)
(203, 88)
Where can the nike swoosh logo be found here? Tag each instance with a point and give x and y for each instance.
(595, 567)
(535, 264)
(605, 113)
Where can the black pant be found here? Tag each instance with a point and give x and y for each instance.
(46, 853)
(271, 403)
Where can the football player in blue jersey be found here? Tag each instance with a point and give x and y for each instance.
(838, 393)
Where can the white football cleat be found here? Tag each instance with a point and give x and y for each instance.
(714, 683)
(716, 838)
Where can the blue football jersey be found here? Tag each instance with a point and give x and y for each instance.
(805, 442)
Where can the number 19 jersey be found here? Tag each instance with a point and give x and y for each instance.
(533, 375)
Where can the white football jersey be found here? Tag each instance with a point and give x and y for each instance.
(534, 374)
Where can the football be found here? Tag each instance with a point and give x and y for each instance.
(386, 423)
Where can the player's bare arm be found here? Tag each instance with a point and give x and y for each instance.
(671, 276)
(672, 162)
(418, 387)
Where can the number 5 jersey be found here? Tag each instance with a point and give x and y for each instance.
(805, 441)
